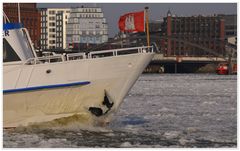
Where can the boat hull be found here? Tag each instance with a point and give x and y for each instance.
(71, 87)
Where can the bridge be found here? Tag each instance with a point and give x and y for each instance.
(182, 64)
(191, 64)
(161, 59)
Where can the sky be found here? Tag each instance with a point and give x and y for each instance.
(112, 11)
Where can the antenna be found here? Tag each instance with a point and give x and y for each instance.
(19, 19)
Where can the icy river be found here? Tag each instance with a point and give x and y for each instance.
(161, 110)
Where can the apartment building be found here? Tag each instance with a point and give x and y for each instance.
(86, 26)
(53, 28)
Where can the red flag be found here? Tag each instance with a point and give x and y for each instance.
(132, 22)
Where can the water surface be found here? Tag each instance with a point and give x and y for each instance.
(166, 110)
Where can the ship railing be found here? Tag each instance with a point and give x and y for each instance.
(122, 51)
(46, 59)
(94, 54)
(76, 56)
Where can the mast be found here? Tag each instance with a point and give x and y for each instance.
(19, 18)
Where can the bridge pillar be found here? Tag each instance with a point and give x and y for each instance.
(175, 69)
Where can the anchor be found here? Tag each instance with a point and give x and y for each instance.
(97, 111)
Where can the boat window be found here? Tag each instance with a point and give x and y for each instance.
(8, 53)
(28, 43)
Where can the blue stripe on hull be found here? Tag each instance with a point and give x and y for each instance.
(46, 87)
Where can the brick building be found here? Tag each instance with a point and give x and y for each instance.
(30, 18)
(230, 25)
(206, 31)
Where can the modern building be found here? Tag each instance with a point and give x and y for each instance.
(205, 31)
(30, 18)
(53, 28)
(86, 26)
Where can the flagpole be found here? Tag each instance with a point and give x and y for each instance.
(147, 28)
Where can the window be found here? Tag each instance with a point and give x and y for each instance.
(52, 24)
(52, 29)
(52, 36)
(52, 41)
(75, 20)
(52, 12)
(8, 53)
(51, 18)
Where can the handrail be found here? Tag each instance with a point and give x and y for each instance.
(144, 49)
(76, 56)
(98, 54)
(47, 59)
(122, 49)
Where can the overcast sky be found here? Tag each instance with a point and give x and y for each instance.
(112, 11)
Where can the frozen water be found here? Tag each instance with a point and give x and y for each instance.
(168, 110)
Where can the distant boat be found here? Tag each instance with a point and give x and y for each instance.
(223, 68)
(39, 89)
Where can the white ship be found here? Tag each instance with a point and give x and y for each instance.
(40, 89)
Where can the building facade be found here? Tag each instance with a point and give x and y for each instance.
(86, 26)
(230, 25)
(155, 26)
(205, 31)
(30, 18)
(53, 28)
